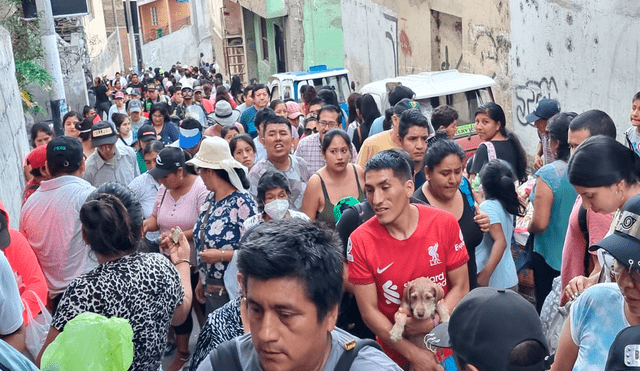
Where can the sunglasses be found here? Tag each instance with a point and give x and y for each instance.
(308, 131)
(616, 267)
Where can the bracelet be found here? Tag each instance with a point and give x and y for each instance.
(222, 256)
(182, 261)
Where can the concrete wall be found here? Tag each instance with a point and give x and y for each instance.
(250, 42)
(583, 53)
(266, 68)
(107, 61)
(370, 41)
(13, 135)
(167, 50)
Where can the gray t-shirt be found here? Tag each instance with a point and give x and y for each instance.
(368, 359)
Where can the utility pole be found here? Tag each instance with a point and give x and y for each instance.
(132, 38)
(115, 18)
(52, 65)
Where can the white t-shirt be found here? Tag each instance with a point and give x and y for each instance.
(10, 304)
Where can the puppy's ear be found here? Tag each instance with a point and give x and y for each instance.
(406, 295)
(439, 292)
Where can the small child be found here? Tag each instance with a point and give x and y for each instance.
(632, 135)
(496, 267)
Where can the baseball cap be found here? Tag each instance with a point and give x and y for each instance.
(545, 109)
(485, 327)
(37, 158)
(168, 161)
(623, 354)
(151, 87)
(293, 110)
(103, 133)
(398, 93)
(405, 104)
(190, 133)
(135, 105)
(136, 91)
(147, 133)
(187, 86)
(129, 91)
(624, 242)
(197, 89)
(119, 95)
(64, 153)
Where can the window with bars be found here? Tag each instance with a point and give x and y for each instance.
(154, 16)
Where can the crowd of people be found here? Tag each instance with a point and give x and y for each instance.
(290, 232)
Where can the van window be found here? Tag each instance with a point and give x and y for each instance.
(275, 92)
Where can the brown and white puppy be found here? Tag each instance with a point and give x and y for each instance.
(422, 298)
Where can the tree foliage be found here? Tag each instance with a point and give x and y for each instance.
(27, 51)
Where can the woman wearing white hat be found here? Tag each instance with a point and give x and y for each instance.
(218, 229)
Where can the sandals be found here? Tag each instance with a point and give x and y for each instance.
(179, 361)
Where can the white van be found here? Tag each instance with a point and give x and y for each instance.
(462, 91)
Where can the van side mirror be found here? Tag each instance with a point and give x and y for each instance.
(353, 85)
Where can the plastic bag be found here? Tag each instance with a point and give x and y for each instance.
(91, 342)
(38, 328)
(231, 278)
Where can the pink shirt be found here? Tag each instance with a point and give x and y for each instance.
(182, 212)
(574, 243)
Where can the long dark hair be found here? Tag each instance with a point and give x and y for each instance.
(558, 129)
(106, 226)
(40, 127)
(369, 112)
(162, 108)
(495, 112)
(602, 161)
(497, 183)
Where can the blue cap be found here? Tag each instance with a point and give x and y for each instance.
(545, 109)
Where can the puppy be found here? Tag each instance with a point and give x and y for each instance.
(421, 299)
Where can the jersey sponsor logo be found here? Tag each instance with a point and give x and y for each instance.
(380, 271)
(460, 245)
(349, 248)
(435, 257)
(390, 292)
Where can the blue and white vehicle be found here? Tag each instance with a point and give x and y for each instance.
(287, 85)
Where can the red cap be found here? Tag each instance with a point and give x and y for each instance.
(119, 95)
(37, 157)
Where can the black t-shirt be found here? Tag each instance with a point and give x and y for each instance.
(139, 85)
(471, 234)
(100, 92)
(505, 150)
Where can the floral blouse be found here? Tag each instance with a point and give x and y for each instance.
(222, 230)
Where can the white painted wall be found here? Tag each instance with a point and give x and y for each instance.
(370, 41)
(180, 46)
(584, 53)
(13, 134)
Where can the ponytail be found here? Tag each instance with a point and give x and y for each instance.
(106, 226)
(498, 183)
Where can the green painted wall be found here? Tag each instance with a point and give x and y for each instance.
(266, 68)
(275, 8)
(323, 39)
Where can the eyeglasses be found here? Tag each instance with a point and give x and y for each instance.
(331, 124)
(616, 267)
(308, 131)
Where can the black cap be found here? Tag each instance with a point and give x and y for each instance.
(485, 327)
(151, 87)
(404, 105)
(64, 154)
(168, 161)
(623, 354)
(103, 133)
(398, 93)
(624, 242)
(545, 109)
(147, 133)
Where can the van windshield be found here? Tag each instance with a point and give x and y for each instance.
(340, 82)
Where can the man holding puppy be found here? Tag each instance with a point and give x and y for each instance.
(402, 242)
(291, 274)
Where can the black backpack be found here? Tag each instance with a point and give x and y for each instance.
(226, 358)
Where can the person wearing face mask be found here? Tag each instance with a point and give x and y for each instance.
(273, 200)
(217, 232)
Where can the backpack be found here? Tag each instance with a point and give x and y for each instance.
(226, 357)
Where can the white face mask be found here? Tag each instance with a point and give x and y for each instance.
(277, 209)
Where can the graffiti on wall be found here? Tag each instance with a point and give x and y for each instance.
(492, 49)
(528, 95)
